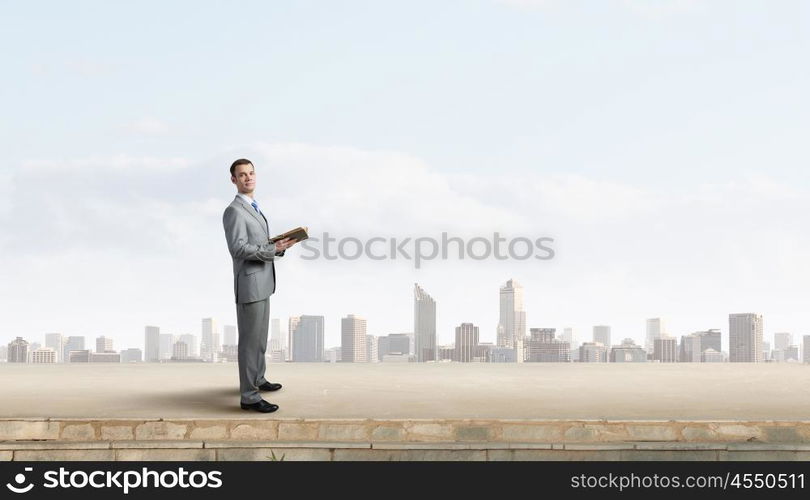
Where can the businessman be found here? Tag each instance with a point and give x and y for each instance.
(247, 232)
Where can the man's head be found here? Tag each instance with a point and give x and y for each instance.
(243, 176)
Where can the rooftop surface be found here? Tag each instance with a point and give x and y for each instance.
(643, 391)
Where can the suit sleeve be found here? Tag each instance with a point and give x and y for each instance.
(236, 235)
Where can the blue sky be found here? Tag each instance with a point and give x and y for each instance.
(673, 119)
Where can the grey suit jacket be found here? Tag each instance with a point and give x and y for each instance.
(254, 274)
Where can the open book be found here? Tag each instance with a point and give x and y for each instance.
(298, 234)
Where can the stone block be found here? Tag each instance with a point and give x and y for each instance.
(163, 443)
(117, 432)
(78, 432)
(28, 429)
(64, 455)
(160, 430)
(209, 432)
(297, 431)
(344, 432)
(596, 432)
(6, 455)
(699, 433)
(670, 455)
(165, 454)
(660, 432)
(474, 433)
(739, 432)
(259, 430)
(540, 432)
(281, 454)
(388, 433)
(429, 432)
(565, 455)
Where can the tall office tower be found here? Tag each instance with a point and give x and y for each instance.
(424, 324)
(307, 337)
(167, 341)
(601, 335)
(292, 324)
(191, 342)
(745, 338)
(544, 348)
(180, 350)
(568, 335)
(43, 355)
(394, 345)
(18, 351)
(229, 335)
(690, 348)
(209, 342)
(512, 318)
(782, 340)
(151, 344)
(276, 340)
(655, 329)
(73, 343)
(710, 339)
(592, 352)
(628, 352)
(131, 355)
(353, 339)
(806, 348)
(372, 349)
(56, 342)
(711, 356)
(665, 349)
(104, 344)
(466, 342)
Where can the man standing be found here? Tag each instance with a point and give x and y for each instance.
(254, 279)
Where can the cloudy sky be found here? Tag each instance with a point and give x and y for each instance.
(662, 144)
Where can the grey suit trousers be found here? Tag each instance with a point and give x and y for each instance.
(252, 319)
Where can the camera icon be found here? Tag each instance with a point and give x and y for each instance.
(20, 479)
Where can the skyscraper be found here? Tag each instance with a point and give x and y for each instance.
(18, 351)
(131, 355)
(104, 344)
(73, 343)
(601, 335)
(628, 352)
(151, 344)
(512, 322)
(592, 352)
(276, 340)
(209, 342)
(191, 342)
(781, 340)
(466, 342)
(655, 329)
(424, 324)
(353, 339)
(56, 342)
(308, 339)
(372, 349)
(292, 324)
(167, 341)
(745, 338)
(229, 335)
(665, 349)
(544, 348)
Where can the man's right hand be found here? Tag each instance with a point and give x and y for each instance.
(284, 244)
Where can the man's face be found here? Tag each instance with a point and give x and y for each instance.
(244, 177)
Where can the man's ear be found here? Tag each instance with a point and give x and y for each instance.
(233, 180)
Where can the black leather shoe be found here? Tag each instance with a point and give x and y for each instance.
(261, 406)
(270, 386)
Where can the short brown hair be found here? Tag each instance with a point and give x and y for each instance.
(240, 161)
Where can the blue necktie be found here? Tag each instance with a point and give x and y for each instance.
(255, 207)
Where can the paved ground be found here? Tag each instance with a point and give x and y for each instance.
(393, 390)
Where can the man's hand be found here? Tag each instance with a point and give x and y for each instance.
(284, 244)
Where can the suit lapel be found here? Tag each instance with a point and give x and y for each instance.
(259, 218)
